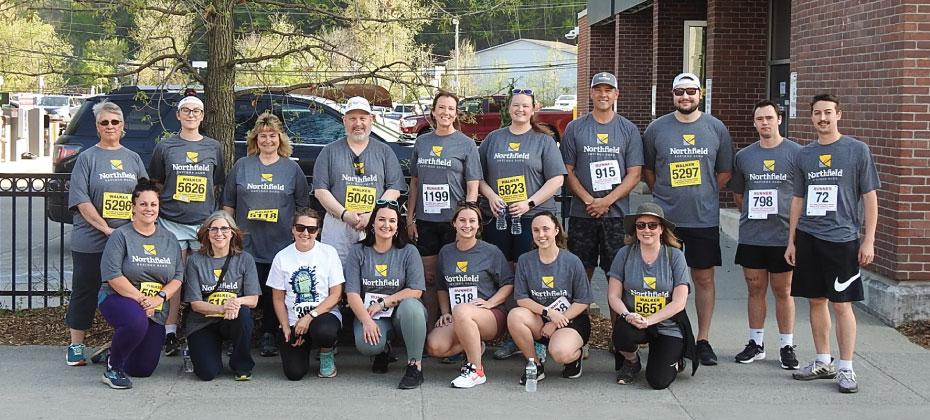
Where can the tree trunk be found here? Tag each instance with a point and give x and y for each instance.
(219, 91)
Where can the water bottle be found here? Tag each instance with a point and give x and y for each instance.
(186, 355)
(516, 228)
(531, 375)
(502, 217)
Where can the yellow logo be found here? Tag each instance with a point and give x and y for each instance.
(548, 281)
(514, 147)
(768, 164)
(267, 178)
(688, 139)
(650, 282)
(602, 138)
(116, 164)
(192, 157)
(216, 273)
(149, 249)
(359, 167)
(826, 161)
(461, 267)
(437, 151)
(381, 269)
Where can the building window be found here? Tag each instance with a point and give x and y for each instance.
(695, 47)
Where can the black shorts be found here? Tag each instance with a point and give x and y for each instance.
(825, 269)
(595, 239)
(432, 236)
(581, 323)
(702, 246)
(768, 258)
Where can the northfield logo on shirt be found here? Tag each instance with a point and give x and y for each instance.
(436, 151)
(513, 150)
(650, 282)
(191, 157)
(768, 165)
(434, 159)
(381, 269)
(151, 256)
(461, 266)
(265, 183)
(117, 165)
(190, 164)
(768, 169)
(826, 162)
(548, 281)
(149, 249)
(688, 140)
(603, 138)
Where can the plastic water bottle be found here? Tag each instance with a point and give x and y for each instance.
(516, 228)
(186, 355)
(502, 217)
(531, 375)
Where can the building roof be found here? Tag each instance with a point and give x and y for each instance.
(561, 46)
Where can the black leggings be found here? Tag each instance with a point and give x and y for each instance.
(664, 351)
(323, 332)
(265, 301)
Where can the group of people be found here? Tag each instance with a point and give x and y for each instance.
(481, 252)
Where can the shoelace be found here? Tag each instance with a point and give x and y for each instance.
(847, 375)
(467, 369)
(78, 350)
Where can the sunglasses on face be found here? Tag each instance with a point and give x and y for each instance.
(187, 111)
(522, 91)
(304, 228)
(109, 122)
(222, 229)
(389, 203)
(644, 225)
(682, 91)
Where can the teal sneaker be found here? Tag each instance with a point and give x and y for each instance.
(540, 352)
(327, 365)
(507, 349)
(76, 355)
(116, 379)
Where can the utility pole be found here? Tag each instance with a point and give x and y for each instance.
(458, 65)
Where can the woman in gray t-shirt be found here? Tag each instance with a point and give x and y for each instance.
(648, 286)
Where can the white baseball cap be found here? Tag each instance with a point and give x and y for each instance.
(686, 79)
(358, 103)
(191, 100)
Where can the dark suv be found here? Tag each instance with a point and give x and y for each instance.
(310, 122)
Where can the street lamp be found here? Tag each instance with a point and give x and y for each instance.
(458, 66)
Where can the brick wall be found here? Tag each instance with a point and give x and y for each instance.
(634, 66)
(583, 74)
(875, 55)
(668, 17)
(601, 56)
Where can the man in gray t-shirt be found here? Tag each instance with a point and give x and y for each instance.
(833, 176)
(688, 158)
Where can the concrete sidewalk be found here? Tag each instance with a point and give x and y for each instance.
(894, 377)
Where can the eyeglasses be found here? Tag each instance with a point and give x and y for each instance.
(109, 122)
(195, 112)
(682, 91)
(644, 225)
(359, 166)
(389, 203)
(222, 229)
(522, 92)
(304, 228)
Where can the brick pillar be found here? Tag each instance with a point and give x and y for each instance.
(635, 66)
(600, 58)
(583, 72)
(668, 18)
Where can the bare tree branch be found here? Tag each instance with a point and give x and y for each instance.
(336, 16)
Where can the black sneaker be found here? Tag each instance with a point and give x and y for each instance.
(412, 379)
(572, 370)
(788, 359)
(628, 371)
(751, 353)
(540, 374)
(172, 344)
(706, 353)
(268, 348)
(381, 361)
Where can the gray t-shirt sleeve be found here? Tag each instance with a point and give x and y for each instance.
(581, 286)
(634, 151)
(250, 284)
(736, 183)
(502, 271)
(157, 164)
(111, 263)
(473, 170)
(483, 156)
(79, 189)
(352, 270)
(192, 290)
(868, 174)
(568, 143)
(521, 278)
(413, 267)
(724, 161)
(301, 188)
(617, 270)
(649, 147)
(321, 169)
(680, 272)
(229, 190)
(393, 175)
(553, 165)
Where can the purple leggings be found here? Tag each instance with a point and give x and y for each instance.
(137, 340)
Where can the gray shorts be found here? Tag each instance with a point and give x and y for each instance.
(186, 234)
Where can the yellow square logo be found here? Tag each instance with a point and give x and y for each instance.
(267, 178)
(116, 164)
(650, 282)
(688, 139)
(548, 281)
(826, 161)
(514, 147)
(149, 249)
(192, 157)
(437, 151)
(768, 165)
(602, 138)
(216, 273)
(461, 267)
(381, 269)
(359, 167)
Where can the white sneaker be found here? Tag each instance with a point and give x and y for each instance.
(469, 377)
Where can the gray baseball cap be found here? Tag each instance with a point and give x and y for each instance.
(604, 78)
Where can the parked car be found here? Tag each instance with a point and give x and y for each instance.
(149, 116)
(566, 102)
(405, 110)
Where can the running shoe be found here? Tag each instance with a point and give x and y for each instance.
(751, 353)
(116, 379)
(706, 353)
(788, 359)
(572, 370)
(585, 351)
(846, 381)
(413, 377)
(507, 349)
(76, 355)
(540, 352)
(327, 365)
(268, 348)
(172, 344)
(816, 370)
(469, 377)
(540, 374)
(381, 361)
(243, 376)
(627, 373)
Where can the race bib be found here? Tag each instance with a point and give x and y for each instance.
(462, 294)
(648, 305)
(190, 188)
(605, 174)
(303, 309)
(360, 199)
(512, 189)
(150, 289)
(219, 299)
(821, 199)
(117, 206)
(436, 198)
(372, 299)
(264, 215)
(762, 203)
(685, 173)
(561, 304)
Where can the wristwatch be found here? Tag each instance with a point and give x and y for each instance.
(531, 203)
(382, 303)
(162, 295)
(314, 314)
(623, 315)
(545, 314)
